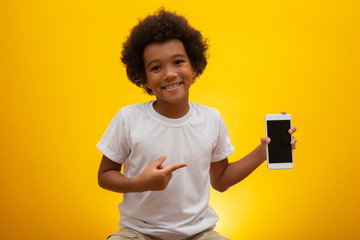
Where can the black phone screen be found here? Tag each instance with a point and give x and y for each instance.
(279, 148)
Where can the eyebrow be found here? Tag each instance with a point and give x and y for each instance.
(157, 60)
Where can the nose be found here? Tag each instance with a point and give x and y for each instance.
(169, 73)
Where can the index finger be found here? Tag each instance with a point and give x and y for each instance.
(171, 168)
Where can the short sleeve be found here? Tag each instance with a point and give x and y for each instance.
(114, 142)
(223, 147)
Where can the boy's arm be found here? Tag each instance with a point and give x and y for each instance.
(154, 178)
(224, 174)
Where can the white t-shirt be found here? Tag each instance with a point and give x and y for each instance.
(137, 136)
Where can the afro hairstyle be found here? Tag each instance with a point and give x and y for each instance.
(161, 27)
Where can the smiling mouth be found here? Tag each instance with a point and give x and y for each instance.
(172, 86)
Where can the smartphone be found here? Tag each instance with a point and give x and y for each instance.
(279, 151)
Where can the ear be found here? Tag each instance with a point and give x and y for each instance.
(146, 83)
(193, 74)
(148, 88)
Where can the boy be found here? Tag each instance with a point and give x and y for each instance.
(171, 149)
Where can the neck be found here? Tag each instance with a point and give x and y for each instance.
(172, 110)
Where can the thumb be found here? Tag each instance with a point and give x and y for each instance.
(265, 140)
(159, 161)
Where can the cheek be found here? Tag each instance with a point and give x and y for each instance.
(151, 81)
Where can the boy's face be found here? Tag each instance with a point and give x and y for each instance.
(168, 71)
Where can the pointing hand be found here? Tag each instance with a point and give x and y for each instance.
(156, 176)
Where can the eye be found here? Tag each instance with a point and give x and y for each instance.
(178, 62)
(155, 68)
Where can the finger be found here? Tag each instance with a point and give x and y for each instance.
(160, 161)
(265, 140)
(293, 142)
(171, 168)
(292, 130)
(283, 112)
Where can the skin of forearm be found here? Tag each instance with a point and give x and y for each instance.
(148, 180)
(235, 172)
(114, 181)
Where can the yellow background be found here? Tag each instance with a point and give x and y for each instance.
(62, 82)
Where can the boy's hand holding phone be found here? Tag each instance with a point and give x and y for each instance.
(279, 140)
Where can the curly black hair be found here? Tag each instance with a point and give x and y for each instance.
(161, 27)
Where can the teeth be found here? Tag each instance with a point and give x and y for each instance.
(172, 86)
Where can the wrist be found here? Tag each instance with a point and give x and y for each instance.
(261, 150)
(136, 184)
